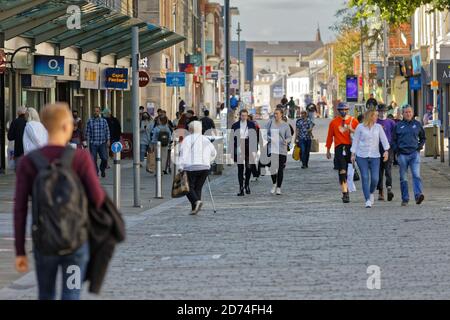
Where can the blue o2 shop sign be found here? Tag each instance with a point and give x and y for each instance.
(116, 78)
(49, 65)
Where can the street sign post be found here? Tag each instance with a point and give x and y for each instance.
(117, 148)
(176, 79)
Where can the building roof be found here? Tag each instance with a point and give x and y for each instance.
(284, 48)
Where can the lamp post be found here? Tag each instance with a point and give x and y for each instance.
(227, 59)
(239, 30)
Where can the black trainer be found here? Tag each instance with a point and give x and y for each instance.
(345, 197)
(420, 199)
(247, 190)
(241, 193)
(390, 194)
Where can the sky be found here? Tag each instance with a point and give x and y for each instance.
(284, 20)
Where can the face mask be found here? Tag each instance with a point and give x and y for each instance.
(343, 113)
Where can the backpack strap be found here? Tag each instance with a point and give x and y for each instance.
(67, 157)
(39, 160)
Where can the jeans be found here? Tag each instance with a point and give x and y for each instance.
(196, 181)
(305, 147)
(72, 279)
(144, 149)
(405, 161)
(369, 166)
(102, 151)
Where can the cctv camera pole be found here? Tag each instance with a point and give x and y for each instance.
(135, 107)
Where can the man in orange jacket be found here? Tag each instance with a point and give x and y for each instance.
(339, 132)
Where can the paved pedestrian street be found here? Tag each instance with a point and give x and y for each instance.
(304, 244)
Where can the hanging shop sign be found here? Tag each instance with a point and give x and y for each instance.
(41, 82)
(415, 83)
(116, 78)
(443, 71)
(187, 67)
(195, 59)
(144, 79)
(89, 75)
(416, 63)
(49, 65)
(176, 79)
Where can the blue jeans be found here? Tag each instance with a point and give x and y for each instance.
(73, 273)
(102, 151)
(405, 161)
(305, 147)
(369, 166)
(144, 149)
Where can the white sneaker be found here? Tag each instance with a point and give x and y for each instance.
(274, 189)
(368, 204)
(372, 199)
(278, 191)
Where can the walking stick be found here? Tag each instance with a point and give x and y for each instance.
(210, 193)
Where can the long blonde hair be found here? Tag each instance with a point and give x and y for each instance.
(368, 117)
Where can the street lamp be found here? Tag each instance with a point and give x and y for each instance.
(239, 30)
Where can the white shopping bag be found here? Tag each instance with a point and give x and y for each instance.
(350, 174)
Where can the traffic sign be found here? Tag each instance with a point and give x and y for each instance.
(176, 79)
(116, 147)
(144, 79)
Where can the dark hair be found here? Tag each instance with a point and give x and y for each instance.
(190, 111)
(146, 113)
(206, 113)
(141, 107)
(279, 109)
(178, 113)
(243, 111)
(159, 110)
(163, 120)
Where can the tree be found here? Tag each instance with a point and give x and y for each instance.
(398, 11)
(346, 45)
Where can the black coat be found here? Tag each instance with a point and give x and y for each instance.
(207, 124)
(115, 130)
(15, 134)
(236, 127)
(106, 229)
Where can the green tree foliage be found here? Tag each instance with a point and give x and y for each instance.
(396, 11)
(347, 43)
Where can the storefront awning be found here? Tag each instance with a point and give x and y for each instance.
(102, 29)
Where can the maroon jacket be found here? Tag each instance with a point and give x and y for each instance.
(82, 165)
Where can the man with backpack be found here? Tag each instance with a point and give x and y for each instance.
(62, 182)
(162, 133)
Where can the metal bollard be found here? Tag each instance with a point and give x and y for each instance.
(117, 179)
(158, 189)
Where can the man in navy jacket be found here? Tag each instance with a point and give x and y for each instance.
(408, 140)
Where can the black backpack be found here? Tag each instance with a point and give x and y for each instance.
(164, 137)
(60, 206)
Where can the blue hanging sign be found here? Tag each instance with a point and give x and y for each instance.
(116, 78)
(49, 65)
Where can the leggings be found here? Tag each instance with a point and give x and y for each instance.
(277, 178)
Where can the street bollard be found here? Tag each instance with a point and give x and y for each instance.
(158, 189)
(117, 179)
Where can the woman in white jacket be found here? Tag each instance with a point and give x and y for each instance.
(196, 155)
(35, 135)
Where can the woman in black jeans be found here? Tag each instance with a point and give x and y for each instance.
(279, 137)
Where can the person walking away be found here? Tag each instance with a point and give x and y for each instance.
(303, 137)
(162, 133)
(35, 135)
(339, 133)
(115, 129)
(207, 123)
(284, 101)
(408, 141)
(366, 151)
(98, 137)
(71, 195)
(146, 127)
(292, 108)
(245, 144)
(16, 132)
(279, 136)
(196, 155)
(386, 166)
(181, 106)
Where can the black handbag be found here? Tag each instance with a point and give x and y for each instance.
(356, 175)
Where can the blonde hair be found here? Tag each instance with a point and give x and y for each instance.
(54, 115)
(368, 117)
(32, 115)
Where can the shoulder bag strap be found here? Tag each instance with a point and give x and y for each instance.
(39, 160)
